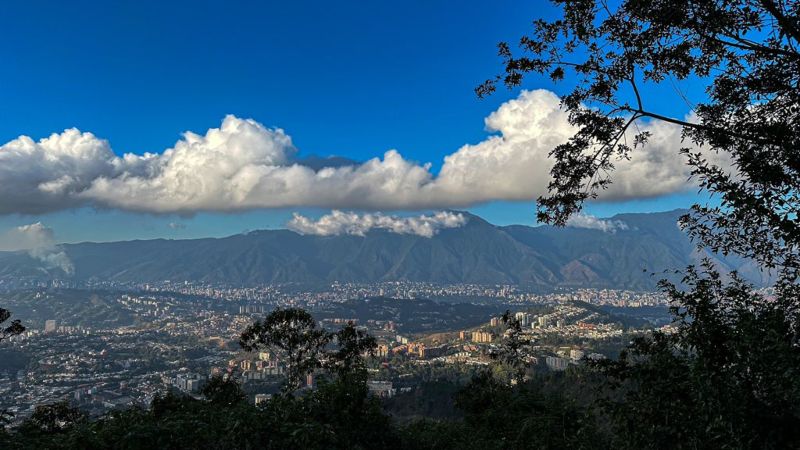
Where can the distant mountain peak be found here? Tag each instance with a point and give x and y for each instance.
(543, 257)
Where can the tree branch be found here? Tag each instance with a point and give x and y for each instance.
(786, 25)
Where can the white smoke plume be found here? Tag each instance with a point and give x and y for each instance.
(582, 220)
(39, 241)
(244, 165)
(338, 223)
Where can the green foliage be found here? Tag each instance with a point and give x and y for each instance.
(352, 344)
(728, 378)
(221, 391)
(12, 328)
(746, 54)
(528, 415)
(512, 348)
(293, 335)
(428, 400)
(48, 425)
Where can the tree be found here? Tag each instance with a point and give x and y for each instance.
(727, 377)
(526, 415)
(746, 51)
(12, 329)
(221, 391)
(512, 349)
(54, 418)
(352, 345)
(293, 335)
(339, 413)
(5, 419)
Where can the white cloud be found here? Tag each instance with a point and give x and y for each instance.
(582, 220)
(337, 223)
(177, 225)
(244, 165)
(39, 241)
(52, 173)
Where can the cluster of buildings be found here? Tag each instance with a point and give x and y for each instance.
(291, 293)
(542, 334)
(405, 347)
(261, 366)
(478, 336)
(177, 342)
(614, 297)
(188, 382)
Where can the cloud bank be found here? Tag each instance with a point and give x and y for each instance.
(338, 223)
(244, 165)
(39, 241)
(582, 220)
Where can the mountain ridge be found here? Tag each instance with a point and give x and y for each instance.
(542, 256)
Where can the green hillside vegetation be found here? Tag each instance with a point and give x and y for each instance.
(542, 257)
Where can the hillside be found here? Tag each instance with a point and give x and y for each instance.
(479, 252)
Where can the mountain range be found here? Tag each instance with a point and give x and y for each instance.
(621, 257)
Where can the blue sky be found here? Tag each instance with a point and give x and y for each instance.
(352, 79)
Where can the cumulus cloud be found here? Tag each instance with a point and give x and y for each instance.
(582, 220)
(39, 241)
(245, 165)
(52, 173)
(337, 223)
